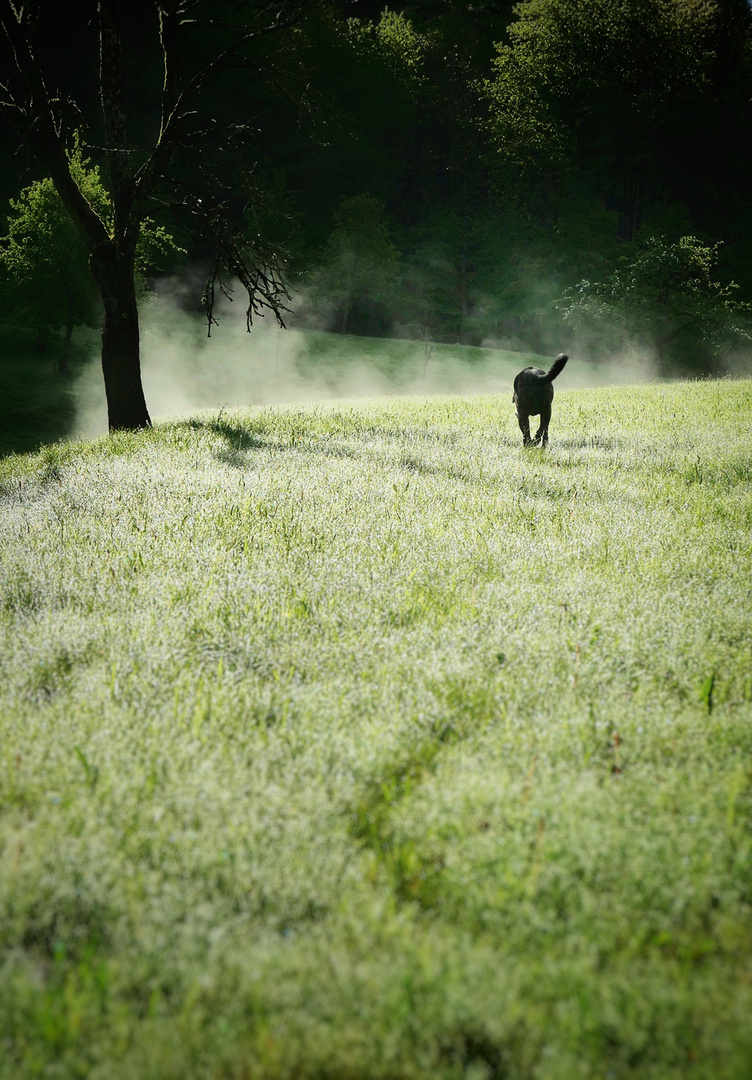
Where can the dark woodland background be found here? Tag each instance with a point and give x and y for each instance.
(525, 175)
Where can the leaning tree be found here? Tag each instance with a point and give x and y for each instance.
(203, 46)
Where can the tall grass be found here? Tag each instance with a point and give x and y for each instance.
(355, 741)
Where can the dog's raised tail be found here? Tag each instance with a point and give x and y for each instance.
(556, 368)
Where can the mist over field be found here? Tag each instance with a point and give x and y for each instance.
(184, 371)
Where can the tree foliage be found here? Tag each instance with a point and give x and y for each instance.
(47, 280)
(667, 298)
(601, 82)
(599, 114)
(359, 265)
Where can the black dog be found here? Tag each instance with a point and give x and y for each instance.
(533, 394)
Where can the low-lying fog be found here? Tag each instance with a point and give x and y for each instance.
(185, 372)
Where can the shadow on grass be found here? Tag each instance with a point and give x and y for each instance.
(37, 406)
(596, 441)
(241, 440)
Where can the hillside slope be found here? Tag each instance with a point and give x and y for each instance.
(354, 740)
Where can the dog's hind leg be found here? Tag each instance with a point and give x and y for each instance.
(545, 419)
(524, 422)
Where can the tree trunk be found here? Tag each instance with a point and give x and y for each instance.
(121, 365)
(62, 364)
(42, 341)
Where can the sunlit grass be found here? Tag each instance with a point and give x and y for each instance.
(355, 741)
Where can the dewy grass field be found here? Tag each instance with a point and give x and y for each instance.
(352, 741)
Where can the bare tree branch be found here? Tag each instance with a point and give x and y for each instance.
(168, 37)
(113, 112)
(227, 58)
(176, 97)
(42, 127)
(256, 265)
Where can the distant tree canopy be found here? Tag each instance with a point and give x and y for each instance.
(46, 279)
(359, 265)
(513, 153)
(616, 87)
(607, 108)
(510, 178)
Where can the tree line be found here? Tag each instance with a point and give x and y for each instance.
(514, 174)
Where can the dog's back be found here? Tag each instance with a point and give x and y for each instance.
(533, 389)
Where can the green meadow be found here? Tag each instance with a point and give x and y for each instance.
(352, 741)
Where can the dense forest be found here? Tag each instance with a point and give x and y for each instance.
(526, 175)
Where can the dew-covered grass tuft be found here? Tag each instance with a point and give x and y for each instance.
(353, 740)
